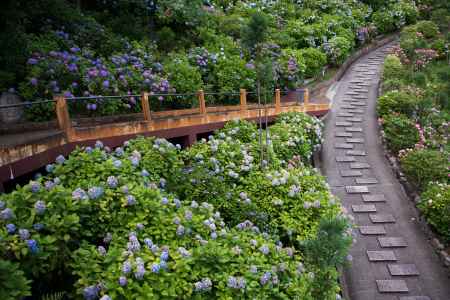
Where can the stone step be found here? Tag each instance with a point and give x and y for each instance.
(350, 173)
(343, 146)
(343, 134)
(354, 119)
(392, 242)
(384, 255)
(344, 115)
(374, 198)
(359, 165)
(414, 298)
(345, 158)
(382, 218)
(356, 152)
(364, 208)
(372, 230)
(392, 286)
(357, 189)
(366, 181)
(356, 111)
(403, 270)
(354, 140)
(353, 129)
(343, 124)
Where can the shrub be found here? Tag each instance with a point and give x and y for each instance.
(292, 68)
(435, 205)
(338, 49)
(398, 102)
(393, 68)
(441, 18)
(400, 132)
(185, 251)
(427, 28)
(13, 283)
(384, 21)
(314, 59)
(424, 166)
(410, 40)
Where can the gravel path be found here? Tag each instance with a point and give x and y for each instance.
(392, 258)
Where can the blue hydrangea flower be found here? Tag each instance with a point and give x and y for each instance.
(164, 201)
(180, 230)
(194, 204)
(112, 182)
(134, 160)
(60, 159)
(24, 234)
(131, 200)
(140, 272)
(163, 264)
(155, 268)
(253, 269)
(123, 281)
(79, 194)
(95, 192)
(98, 144)
(125, 189)
(49, 168)
(133, 245)
(148, 242)
(188, 215)
(254, 243)
(40, 207)
(35, 186)
(33, 246)
(183, 252)
(38, 226)
(105, 297)
(56, 180)
(119, 151)
(49, 185)
(177, 202)
(90, 292)
(6, 214)
(117, 163)
(101, 250)
(162, 183)
(10, 228)
(108, 238)
(164, 255)
(204, 285)
(145, 173)
(126, 267)
(2, 204)
(140, 226)
(265, 278)
(88, 150)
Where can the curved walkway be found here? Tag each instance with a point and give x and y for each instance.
(392, 258)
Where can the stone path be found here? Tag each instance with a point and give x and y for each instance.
(392, 258)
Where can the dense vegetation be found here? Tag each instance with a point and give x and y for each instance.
(125, 47)
(414, 112)
(151, 220)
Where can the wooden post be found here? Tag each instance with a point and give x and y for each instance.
(62, 114)
(306, 97)
(243, 99)
(145, 106)
(277, 101)
(201, 102)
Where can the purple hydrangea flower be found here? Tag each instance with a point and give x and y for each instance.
(265, 278)
(60, 160)
(32, 61)
(33, 81)
(131, 200)
(40, 207)
(24, 234)
(6, 214)
(79, 194)
(35, 186)
(133, 245)
(106, 84)
(112, 182)
(164, 255)
(155, 268)
(32, 246)
(123, 281)
(126, 267)
(90, 292)
(204, 285)
(105, 297)
(148, 242)
(10, 228)
(101, 250)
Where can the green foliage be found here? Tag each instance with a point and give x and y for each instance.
(393, 68)
(384, 21)
(428, 28)
(400, 132)
(424, 166)
(314, 59)
(13, 283)
(338, 49)
(256, 31)
(397, 102)
(435, 205)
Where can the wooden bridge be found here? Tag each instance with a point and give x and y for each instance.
(184, 126)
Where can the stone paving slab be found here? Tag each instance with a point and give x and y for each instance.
(403, 270)
(366, 181)
(356, 111)
(356, 152)
(384, 255)
(357, 189)
(343, 146)
(392, 242)
(392, 286)
(354, 140)
(350, 173)
(345, 158)
(343, 124)
(353, 129)
(345, 115)
(374, 198)
(343, 134)
(364, 208)
(359, 165)
(414, 298)
(372, 230)
(354, 119)
(382, 218)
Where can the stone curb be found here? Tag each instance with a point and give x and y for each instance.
(413, 195)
